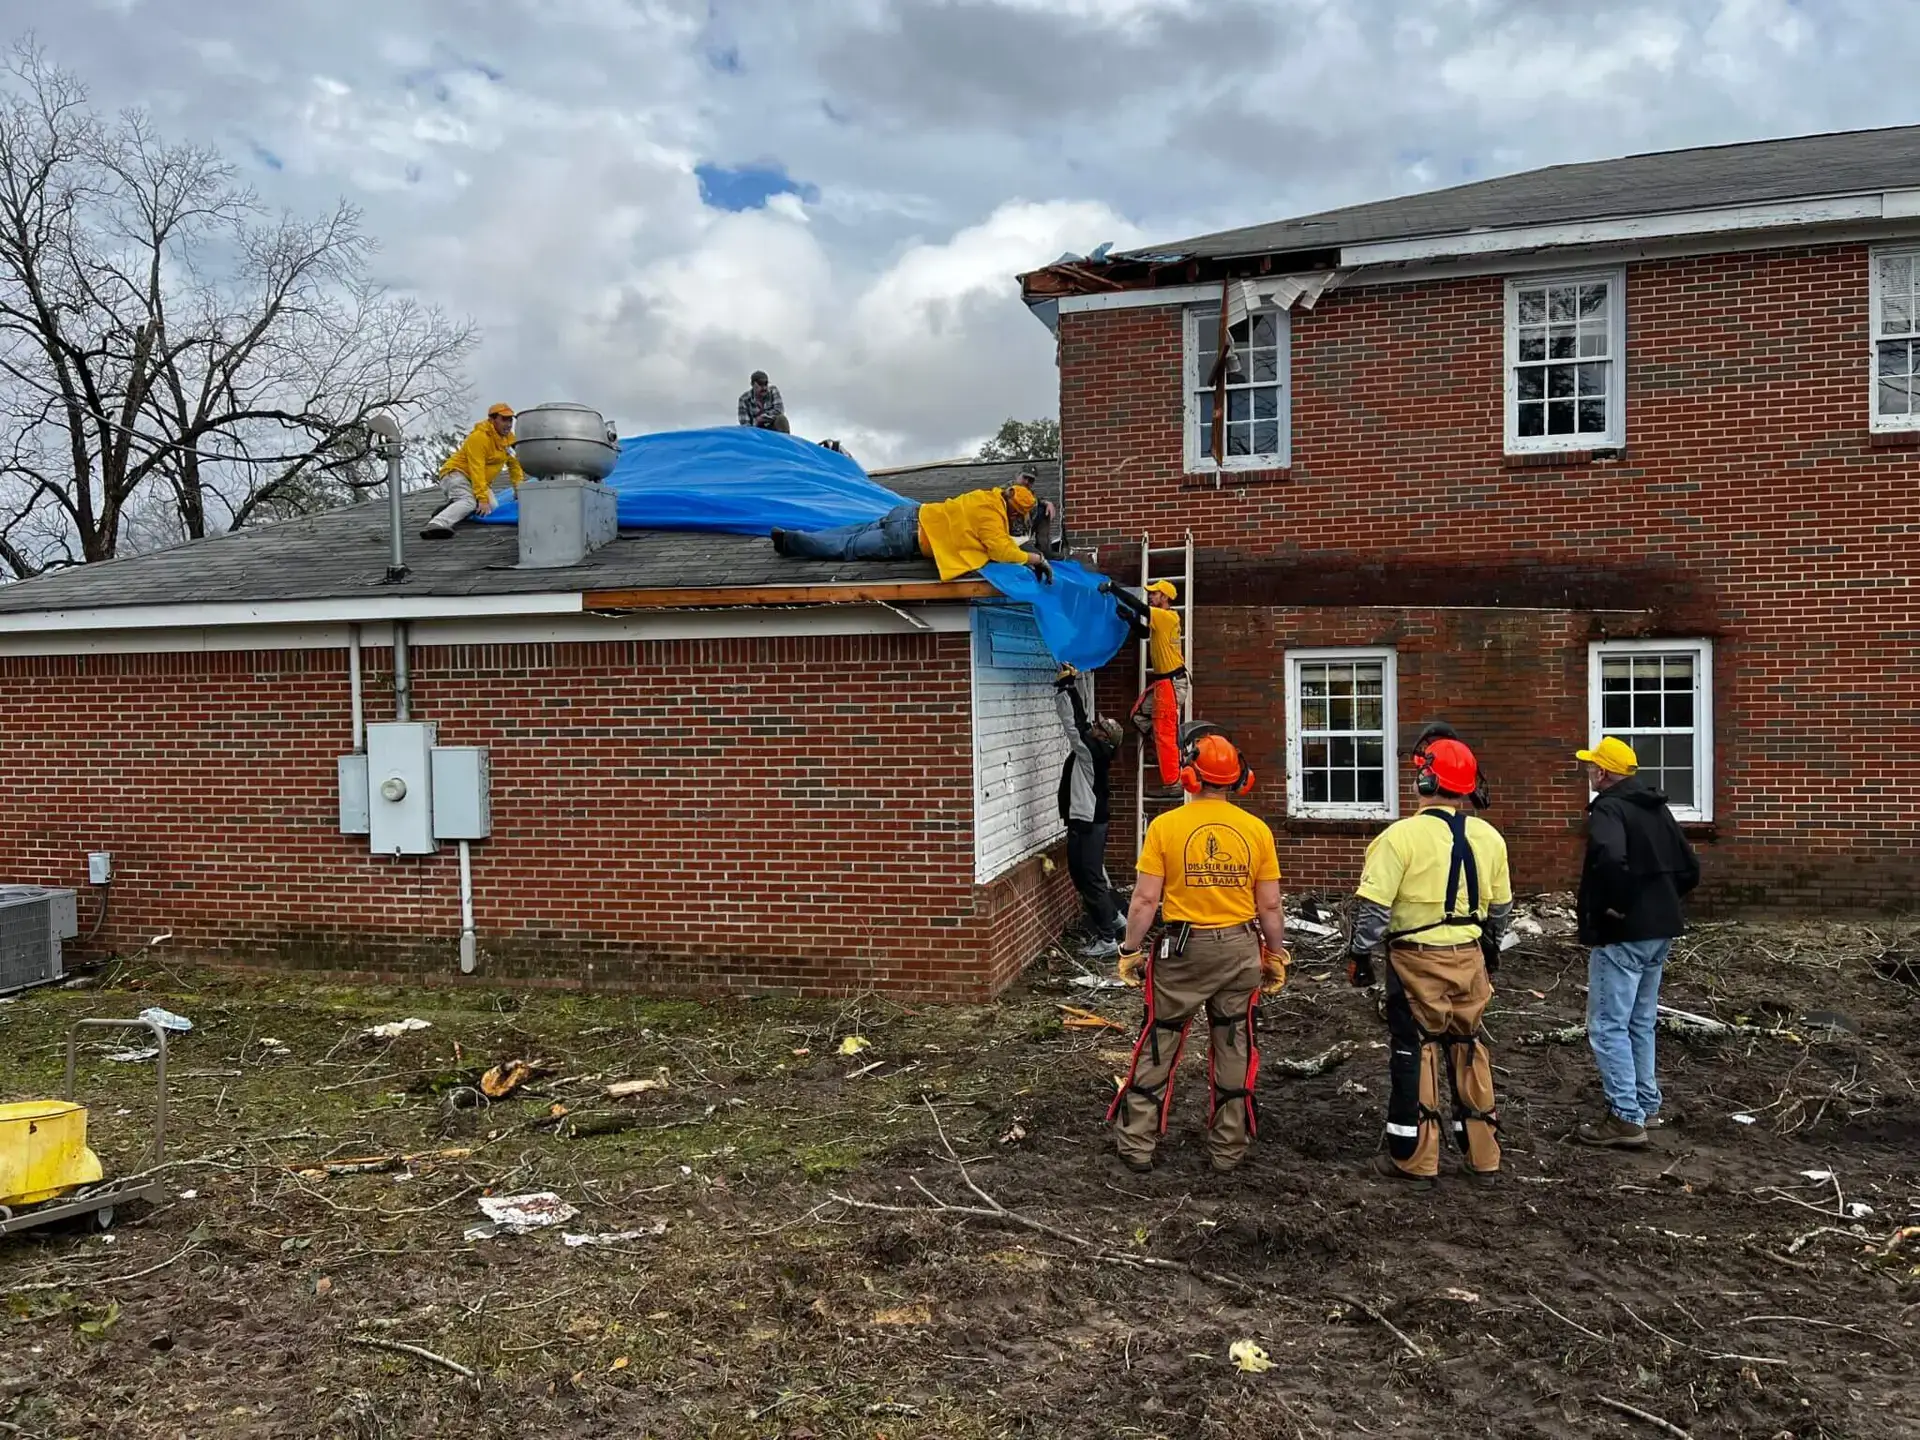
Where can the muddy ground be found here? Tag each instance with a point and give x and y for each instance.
(1709, 1283)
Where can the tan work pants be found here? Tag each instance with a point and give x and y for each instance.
(1220, 972)
(1435, 999)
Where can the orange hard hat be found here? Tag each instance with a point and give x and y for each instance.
(1452, 766)
(1213, 759)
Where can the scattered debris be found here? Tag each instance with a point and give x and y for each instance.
(1327, 1059)
(621, 1089)
(168, 1021)
(399, 1347)
(517, 1214)
(1098, 982)
(867, 1069)
(134, 1057)
(1742, 1118)
(615, 1237)
(1078, 1019)
(1249, 1357)
(372, 1164)
(904, 1315)
(1310, 927)
(854, 1044)
(1818, 1176)
(1454, 1292)
(277, 1049)
(1016, 1132)
(394, 1029)
(508, 1076)
(1353, 1087)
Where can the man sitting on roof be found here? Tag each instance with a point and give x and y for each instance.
(466, 479)
(959, 535)
(761, 405)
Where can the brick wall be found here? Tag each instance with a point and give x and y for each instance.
(791, 813)
(1751, 506)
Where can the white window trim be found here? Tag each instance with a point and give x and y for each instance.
(1616, 436)
(1702, 650)
(1884, 424)
(1199, 461)
(1297, 805)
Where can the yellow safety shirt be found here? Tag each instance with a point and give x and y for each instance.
(1211, 854)
(1406, 871)
(964, 533)
(481, 457)
(1163, 644)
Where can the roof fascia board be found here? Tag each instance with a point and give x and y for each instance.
(498, 630)
(1133, 299)
(1605, 256)
(223, 614)
(1775, 215)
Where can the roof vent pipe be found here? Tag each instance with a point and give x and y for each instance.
(565, 512)
(388, 429)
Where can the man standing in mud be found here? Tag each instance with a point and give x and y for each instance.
(1435, 891)
(1210, 868)
(1638, 866)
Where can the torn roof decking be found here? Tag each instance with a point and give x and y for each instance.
(1665, 182)
(342, 554)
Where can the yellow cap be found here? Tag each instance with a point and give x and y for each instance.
(1164, 587)
(501, 409)
(1616, 757)
(1020, 499)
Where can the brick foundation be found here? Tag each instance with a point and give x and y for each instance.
(674, 816)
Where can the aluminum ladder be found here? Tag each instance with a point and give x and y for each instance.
(1163, 562)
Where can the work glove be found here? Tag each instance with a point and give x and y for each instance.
(1043, 568)
(1273, 970)
(1359, 969)
(1132, 967)
(1064, 677)
(1490, 953)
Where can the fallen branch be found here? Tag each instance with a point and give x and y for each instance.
(1683, 1023)
(96, 1284)
(1820, 1324)
(1664, 1426)
(1683, 1345)
(1328, 1059)
(1391, 1328)
(1565, 1321)
(400, 1347)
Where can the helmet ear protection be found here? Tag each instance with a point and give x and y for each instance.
(1425, 784)
(1190, 777)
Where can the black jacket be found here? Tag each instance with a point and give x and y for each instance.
(1638, 866)
(1086, 751)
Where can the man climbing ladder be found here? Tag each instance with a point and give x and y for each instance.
(1167, 701)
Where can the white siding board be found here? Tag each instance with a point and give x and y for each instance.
(1018, 745)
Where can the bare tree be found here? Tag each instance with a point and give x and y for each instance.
(174, 360)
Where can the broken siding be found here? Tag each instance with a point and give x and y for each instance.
(1018, 746)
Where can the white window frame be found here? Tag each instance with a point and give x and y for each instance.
(1297, 804)
(1885, 424)
(1199, 460)
(1616, 435)
(1701, 811)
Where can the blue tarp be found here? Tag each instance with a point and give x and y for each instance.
(742, 481)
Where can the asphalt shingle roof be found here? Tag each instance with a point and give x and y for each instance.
(343, 554)
(1848, 163)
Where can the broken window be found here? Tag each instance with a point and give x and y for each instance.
(1896, 339)
(1657, 696)
(1564, 377)
(1255, 434)
(1340, 727)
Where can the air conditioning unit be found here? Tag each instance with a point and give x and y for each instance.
(33, 922)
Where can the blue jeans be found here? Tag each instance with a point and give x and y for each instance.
(894, 536)
(1623, 998)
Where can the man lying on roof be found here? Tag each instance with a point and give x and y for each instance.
(959, 535)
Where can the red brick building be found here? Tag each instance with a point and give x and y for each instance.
(711, 769)
(1624, 447)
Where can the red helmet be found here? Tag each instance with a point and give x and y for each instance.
(1451, 764)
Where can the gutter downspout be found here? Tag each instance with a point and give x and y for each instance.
(356, 684)
(469, 944)
(402, 674)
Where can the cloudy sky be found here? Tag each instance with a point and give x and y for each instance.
(642, 200)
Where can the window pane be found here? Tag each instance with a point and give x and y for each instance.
(1593, 300)
(1560, 417)
(1560, 380)
(1531, 306)
(1896, 275)
(1313, 785)
(1593, 417)
(1616, 712)
(1896, 312)
(1239, 439)
(1266, 404)
(1530, 383)
(1341, 787)
(1342, 753)
(1266, 329)
(1560, 343)
(1373, 786)
(1615, 670)
(1239, 406)
(1678, 783)
(1646, 708)
(1894, 399)
(1896, 359)
(1560, 302)
(1533, 419)
(1372, 755)
(1592, 342)
(1533, 344)
(1266, 438)
(1593, 379)
(1265, 367)
(1313, 754)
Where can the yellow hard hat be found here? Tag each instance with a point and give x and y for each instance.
(1164, 587)
(1616, 757)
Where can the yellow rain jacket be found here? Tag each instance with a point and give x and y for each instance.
(964, 533)
(481, 458)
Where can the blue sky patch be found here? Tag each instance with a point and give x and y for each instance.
(748, 187)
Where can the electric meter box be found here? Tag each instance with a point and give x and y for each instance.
(400, 788)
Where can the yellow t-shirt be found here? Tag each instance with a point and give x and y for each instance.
(1211, 854)
(1406, 871)
(1163, 645)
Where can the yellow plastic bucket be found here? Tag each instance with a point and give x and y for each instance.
(43, 1151)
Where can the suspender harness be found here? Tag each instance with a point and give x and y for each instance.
(1460, 864)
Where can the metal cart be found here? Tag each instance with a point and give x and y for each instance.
(99, 1199)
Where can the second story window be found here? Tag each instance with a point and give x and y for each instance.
(1566, 347)
(1896, 340)
(1254, 432)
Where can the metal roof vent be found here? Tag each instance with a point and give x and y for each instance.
(565, 512)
